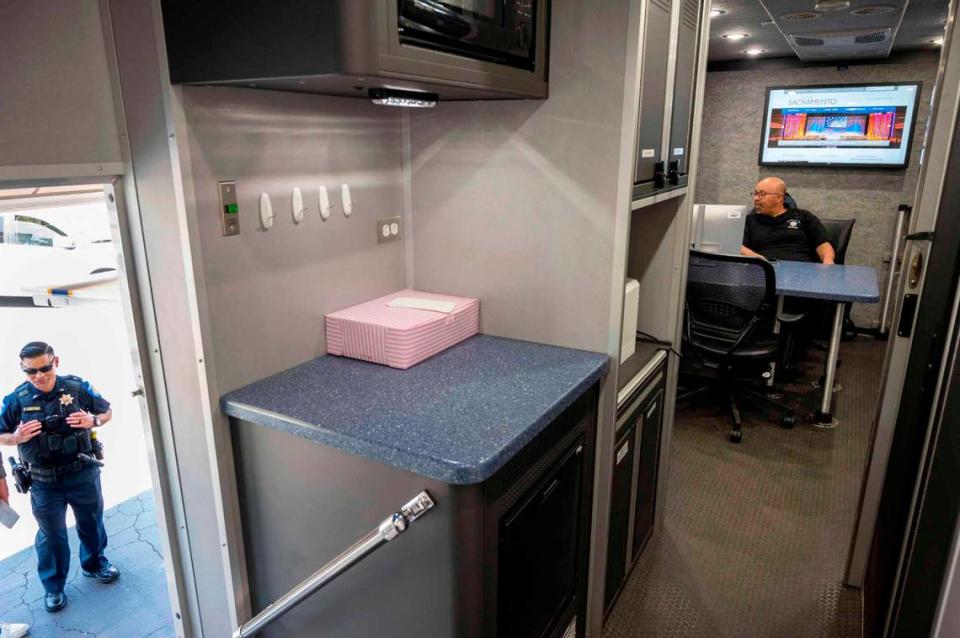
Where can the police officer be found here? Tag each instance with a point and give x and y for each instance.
(49, 418)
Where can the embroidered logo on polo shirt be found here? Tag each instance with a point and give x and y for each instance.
(793, 224)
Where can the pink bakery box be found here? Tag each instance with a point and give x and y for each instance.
(400, 337)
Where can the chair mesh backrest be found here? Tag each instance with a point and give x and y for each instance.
(726, 292)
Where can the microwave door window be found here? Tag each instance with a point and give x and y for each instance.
(501, 31)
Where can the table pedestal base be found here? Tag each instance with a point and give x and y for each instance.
(823, 420)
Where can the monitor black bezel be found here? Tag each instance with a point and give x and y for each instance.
(765, 125)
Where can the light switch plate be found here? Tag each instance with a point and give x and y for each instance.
(389, 229)
(229, 211)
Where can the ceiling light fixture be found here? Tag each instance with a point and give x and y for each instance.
(396, 97)
(716, 12)
(735, 36)
(936, 41)
(831, 5)
(755, 51)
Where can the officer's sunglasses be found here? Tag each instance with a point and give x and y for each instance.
(32, 372)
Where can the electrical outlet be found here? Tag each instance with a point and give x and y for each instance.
(389, 229)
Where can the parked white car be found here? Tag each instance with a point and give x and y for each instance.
(52, 249)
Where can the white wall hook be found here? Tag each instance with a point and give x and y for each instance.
(266, 211)
(296, 206)
(347, 200)
(324, 202)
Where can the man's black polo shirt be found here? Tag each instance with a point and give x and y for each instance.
(793, 235)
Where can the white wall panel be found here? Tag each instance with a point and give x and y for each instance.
(267, 291)
(514, 202)
(56, 105)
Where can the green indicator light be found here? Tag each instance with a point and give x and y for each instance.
(232, 208)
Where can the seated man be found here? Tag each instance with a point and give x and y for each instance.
(774, 231)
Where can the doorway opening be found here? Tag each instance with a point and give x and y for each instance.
(60, 283)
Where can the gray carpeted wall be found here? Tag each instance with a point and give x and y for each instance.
(728, 169)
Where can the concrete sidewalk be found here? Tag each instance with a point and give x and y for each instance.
(135, 606)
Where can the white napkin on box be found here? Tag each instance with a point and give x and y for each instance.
(423, 304)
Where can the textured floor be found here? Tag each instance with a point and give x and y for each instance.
(135, 606)
(756, 535)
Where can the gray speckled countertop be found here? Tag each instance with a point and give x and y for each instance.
(457, 417)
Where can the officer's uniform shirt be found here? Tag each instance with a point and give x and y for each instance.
(793, 235)
(12, 415)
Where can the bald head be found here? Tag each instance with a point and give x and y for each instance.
(768, 196)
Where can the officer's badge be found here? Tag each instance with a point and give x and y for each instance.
(66, 399)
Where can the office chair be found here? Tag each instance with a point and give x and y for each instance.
(729, 313)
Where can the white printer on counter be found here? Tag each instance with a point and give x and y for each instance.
(631, 308)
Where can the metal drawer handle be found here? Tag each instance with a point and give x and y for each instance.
(387, 530)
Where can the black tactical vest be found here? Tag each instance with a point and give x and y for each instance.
(57, 443)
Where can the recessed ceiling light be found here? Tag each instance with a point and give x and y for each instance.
(831, 5)
(936, 41)
(716, 12)
(735, 36)
(755, 51)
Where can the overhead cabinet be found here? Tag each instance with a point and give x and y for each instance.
(463, 50)
(668, 73)
(682, 115)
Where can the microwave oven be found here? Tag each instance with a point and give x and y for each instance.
(458, 49)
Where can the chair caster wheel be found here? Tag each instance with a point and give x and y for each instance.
(735, 436)
(788, 421)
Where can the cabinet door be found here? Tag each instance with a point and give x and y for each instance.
(619, 515)
(537, 553)
(683, 85)
(653, 88)
(648, 437)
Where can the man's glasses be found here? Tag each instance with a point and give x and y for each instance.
(32, 372)
(762, 194)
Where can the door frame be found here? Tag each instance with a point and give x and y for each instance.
(141, 328)
(937, 141)
(154, 142)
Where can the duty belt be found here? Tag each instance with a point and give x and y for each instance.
(56, 473)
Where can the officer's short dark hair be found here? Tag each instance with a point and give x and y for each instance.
(36, 349)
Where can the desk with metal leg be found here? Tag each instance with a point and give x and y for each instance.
(840, 284)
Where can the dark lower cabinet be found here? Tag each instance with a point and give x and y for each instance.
(504, 558)
(619, 515)
(649, 458)
(634, 479)
(538, 542)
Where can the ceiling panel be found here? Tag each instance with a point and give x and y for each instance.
(922, 21)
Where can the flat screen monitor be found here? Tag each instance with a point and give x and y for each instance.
(718, 228)
(856, 125)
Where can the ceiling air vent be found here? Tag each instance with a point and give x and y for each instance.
(870, 38)
(800, 16)
(847, 43)
(874, 10)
